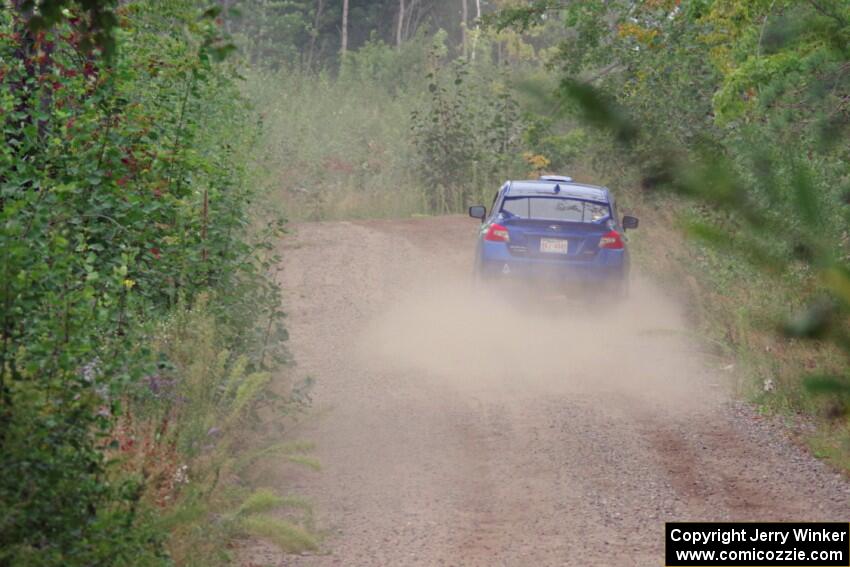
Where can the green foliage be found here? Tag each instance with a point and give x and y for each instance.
(396, 70)
(213, 394)
(468, 133)
(123, 197)
(444, 139)
(522, 17)
(274, 30)
(98, 18)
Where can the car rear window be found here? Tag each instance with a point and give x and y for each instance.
(555, 208)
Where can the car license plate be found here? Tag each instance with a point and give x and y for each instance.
(553, 245)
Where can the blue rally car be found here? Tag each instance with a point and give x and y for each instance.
(555, 230)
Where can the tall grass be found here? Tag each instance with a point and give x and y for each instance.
(192, 429)
(335, 147)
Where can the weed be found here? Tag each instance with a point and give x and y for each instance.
(286, 535)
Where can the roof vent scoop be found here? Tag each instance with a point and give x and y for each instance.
(562, 178)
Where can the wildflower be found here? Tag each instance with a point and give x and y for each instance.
(181, 475)
(90, 370)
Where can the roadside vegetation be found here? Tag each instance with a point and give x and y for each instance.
(140, 326)
(152, 148)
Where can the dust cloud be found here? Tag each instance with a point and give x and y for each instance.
(534, 343)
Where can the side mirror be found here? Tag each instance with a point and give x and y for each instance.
(630, 223)
(478, 212)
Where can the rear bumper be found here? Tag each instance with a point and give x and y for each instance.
(495, 262)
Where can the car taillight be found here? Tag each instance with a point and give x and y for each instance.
(497, 233)
(611, 240)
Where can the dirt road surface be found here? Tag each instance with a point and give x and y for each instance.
(459, 428)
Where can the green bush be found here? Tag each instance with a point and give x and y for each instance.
(124, 198)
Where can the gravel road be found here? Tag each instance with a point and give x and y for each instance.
(459, 428)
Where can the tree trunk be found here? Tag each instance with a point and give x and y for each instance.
(411, 18)
(400, 25)
(477, 25)
(344, 47)
(320, 4)
(463, 23)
